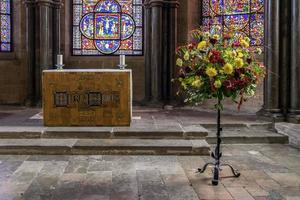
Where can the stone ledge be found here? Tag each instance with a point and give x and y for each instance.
(104, 146)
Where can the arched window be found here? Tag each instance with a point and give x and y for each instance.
(107, 27)
(5, 26)
(243, 16)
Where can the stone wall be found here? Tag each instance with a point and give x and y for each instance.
(13, 65)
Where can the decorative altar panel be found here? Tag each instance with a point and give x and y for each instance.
(87, 97)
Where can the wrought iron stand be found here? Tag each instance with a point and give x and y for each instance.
(218, 154)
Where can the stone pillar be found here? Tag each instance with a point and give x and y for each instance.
(294, 109)
(44, 45)
(161, 41)
(285, 52)
(156, 49)
(272, 58)
(56, 29)
(148, 31)
(170, 44)
(30, 50)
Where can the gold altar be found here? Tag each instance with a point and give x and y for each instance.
(87, 97)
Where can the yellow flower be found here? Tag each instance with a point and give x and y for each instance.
(240, 55)
(245, 44)
(233, 54)
(197, 82)
(218, 84)
(179, 62)
(206, 34)
(186, 56)
(202, 44)
(247, 39)
(228, 68)
(211, 72)
(216, 37)
(239, 62)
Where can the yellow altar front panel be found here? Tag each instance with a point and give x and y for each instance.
(87, 97)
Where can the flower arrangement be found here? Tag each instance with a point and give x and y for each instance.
(218, 66)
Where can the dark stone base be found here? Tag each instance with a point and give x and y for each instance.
(271, 115)
(293, 118)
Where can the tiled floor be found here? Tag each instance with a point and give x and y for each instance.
(268, 172)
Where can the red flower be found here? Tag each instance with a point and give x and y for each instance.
(236, 44)
(227, 36)
(229, 84)
(213, 41)
(215, 57)
(192, 46)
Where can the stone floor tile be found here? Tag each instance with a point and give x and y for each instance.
(77, 167)
(45, 183)
(179, 187)
(239, 193)
(97, 183)
(125, 195)
(21, 179)
(256, 191)
(286, 179)
(209, 192)
(100, 166)
(69, 187)
(268, 184)
(94, 197)
(151, 185)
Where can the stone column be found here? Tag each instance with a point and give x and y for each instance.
(285, 53)
(56, 29)
(30, 50)
(170, 44)
(294, 110)
(147, 51)
(156, 50)
(43, 47)
(272, 38)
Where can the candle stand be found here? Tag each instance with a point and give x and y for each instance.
(59, 67)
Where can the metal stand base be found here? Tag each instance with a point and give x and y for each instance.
(217, 169)
(217, 154)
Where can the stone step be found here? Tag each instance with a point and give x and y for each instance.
(248, 137)
(104, 146)
(249, 125)
(138, 132)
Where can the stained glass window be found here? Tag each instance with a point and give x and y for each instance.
(5, 26)
(103, 27)
(244, 17)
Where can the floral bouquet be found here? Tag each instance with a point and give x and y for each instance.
(218, 66)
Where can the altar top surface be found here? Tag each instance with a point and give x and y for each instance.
(88, 70)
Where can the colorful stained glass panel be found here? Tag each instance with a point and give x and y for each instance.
(243, 17)
(102, 27)
(5, 26)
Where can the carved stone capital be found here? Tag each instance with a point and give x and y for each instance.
(156, 3)
(57, 4)
(48, 3)
(29, 3)
(172, 4)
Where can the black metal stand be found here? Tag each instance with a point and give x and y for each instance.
(218, 154)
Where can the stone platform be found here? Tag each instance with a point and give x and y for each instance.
(152, 132)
